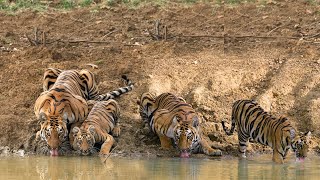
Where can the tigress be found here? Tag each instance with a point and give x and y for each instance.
(257, 125)
(101, 121)
(64, 102)
(172, 119)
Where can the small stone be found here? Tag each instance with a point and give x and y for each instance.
(4, 150)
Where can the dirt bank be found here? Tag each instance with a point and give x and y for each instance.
(212, 54)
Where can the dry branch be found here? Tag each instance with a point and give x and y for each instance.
(109, 33)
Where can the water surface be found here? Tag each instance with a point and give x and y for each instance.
(42, 167)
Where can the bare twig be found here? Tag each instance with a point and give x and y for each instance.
(247, 24)
(132, 45)
(202, 36)
(165, 32)
(44, 41)
(109, 33)
(83, 41)
(156, 29)
(76, 20)
(276, 28)
(36, 35)
(30, 40)
(153, 36)
(312, 36)
(243, 36)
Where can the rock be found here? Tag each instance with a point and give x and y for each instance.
(4, 151)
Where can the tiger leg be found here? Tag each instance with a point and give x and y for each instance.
(146, 128)
(206, 148)
(106, 146)
(277, 157)
(116, 130)
(71, 133)
(242, 145)
(38, 136)
(165, 141)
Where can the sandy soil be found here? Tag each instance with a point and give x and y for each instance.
(212, 55)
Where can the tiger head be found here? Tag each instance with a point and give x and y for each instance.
(186, 137)
(53, 131)
(55, 110)
(84, 140)
(300, 145)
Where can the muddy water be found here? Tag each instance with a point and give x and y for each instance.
(158, 168)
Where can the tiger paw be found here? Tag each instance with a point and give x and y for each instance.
(103, 153)
(215, 153)
(116, 131)
(146, 130)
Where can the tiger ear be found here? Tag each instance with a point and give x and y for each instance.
(42, 117)
(175, 120)
(65, 118)
(138, 102)
(91, 129)
(75, 131)
(292, 133)
(195, 120)
(308, 136)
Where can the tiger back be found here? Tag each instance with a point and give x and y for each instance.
(253, 123)
(171, 118)
(64, 103)
(102, 121)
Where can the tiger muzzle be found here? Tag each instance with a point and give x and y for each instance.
(54, 143)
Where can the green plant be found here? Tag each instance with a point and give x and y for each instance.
(21, 4)
(67, 4)
(85, 3)
(189, 1)
(111, 2)
(3, 4)
(313, 2)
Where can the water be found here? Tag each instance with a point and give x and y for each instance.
(261, 167)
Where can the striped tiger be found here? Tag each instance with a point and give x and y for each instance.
(172, 119)
(65, 102)
(257, 125)
(102, 120)
(88, 84)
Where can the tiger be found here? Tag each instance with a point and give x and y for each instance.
(89, 87)
(102, 120)
(64, 102)
(172, 119)
(254, 124)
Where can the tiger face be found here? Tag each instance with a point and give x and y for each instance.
(186, 137)
(84, 140)
(300, 146)
(54, 131)
(56, 110)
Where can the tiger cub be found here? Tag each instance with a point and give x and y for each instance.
(256, 125)
(102, 120)
(172, 119)
(64, 102)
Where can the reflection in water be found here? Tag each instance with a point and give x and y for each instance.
(35, 167)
